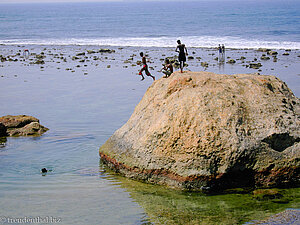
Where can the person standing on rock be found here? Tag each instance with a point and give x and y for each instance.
(145, 67)
(181, 49)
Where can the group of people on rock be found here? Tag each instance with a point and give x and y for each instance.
(168, 67)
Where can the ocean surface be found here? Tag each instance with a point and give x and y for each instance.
(237, 24)
(84, 103)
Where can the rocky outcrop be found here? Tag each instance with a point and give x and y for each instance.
(204, 131)
(21, 125)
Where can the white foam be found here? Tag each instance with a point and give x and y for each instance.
(190, 41)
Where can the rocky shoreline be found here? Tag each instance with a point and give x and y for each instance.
(205, 131)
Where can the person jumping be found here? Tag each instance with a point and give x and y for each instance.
(145, 67)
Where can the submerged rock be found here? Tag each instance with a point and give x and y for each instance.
(202, 130)
(22, 125)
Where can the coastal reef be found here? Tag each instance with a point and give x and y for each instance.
(205, 131)
(20, 125)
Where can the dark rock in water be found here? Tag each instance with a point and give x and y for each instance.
(44, 170)
(106, 51)
(90, 52)
(22, 125)
(272, 53)
(231, 61)
(255, 65)
(197, 131)
(39, 62)
(264, 58)
(264, 50)
(204, 64)
(3, 130)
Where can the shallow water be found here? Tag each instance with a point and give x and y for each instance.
(82, 112)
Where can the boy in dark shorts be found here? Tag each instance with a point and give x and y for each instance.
(167, 69)
(145, 67)
(182, 54)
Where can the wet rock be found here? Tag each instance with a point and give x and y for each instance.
(231, 61)
(255, 65)
(264, 58)
(40, 61)
(190, 58)
(198, 130)
(286, 53)
(80, 54)
(90, 52)
(105, 50)
(264, 50)
(41, 56)
(272, 53)
(22, 125)
(204, 64)
(2, 58)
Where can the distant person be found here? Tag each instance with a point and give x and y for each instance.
(220, 52)
(182, 54)
(167, 69)
(145, 67)
(26, 53)
(223, 52)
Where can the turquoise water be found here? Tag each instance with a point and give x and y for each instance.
(237, 24)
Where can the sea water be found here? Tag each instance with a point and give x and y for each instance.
(237, 24)
(82, 112)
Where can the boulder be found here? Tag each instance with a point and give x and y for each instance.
(22, 125)
(206, 131)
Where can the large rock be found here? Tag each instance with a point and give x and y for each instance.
(207, 131)
(22, 125)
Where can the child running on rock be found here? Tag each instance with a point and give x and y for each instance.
(145, 67)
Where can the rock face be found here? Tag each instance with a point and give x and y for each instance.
(3, 130)
(204, 131)
(21, 125)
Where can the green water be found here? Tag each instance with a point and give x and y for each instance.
(165, 206)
